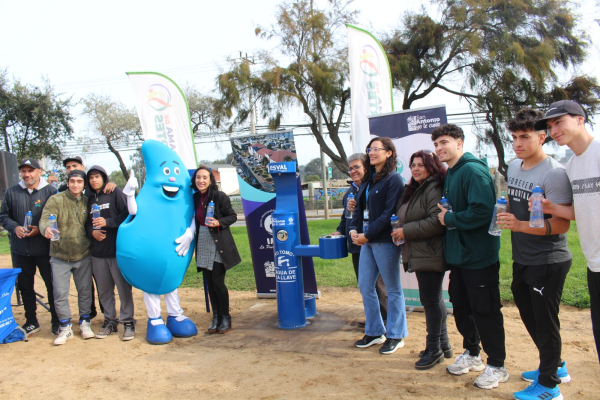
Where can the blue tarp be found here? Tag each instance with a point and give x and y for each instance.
(7, 285)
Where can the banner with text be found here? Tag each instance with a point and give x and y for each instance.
(251, 155)
(164, 114)
(370, 83)
(410, 131)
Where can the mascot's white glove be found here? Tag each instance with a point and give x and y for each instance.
(132, 184)
(186, 239)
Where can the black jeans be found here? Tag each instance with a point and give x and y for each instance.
(537, 290)
(27, 280)
(594, 288)
(379, 288)
(475, 297)
(430, 294)
(217, 291)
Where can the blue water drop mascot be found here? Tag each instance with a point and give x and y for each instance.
(157, 225)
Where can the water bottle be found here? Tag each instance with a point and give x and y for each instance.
(54, 183)
(210, 211)
(395, 225)
(54, 227)
(536, 218)
(446, 204)
(27, 222)
(500, 207)
(96, 214)
(348, 212)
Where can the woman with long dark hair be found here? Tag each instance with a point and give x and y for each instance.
(215, 250)
(379, 192)
(423, 250)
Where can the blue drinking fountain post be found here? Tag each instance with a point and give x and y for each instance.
(291, 309)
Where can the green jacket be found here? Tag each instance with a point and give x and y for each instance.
(71, 214)
(470, 189)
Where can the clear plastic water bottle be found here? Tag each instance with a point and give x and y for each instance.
(446, 204)
(54, 183)
(348, 212)
(210, 211)
(96, 214)
(500, 207)
(395, 225)
(536, 218)
(54, 227)
(27, 222)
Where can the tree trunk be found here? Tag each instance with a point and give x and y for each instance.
(121, 162)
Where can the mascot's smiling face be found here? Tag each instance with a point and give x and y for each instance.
(164, 171)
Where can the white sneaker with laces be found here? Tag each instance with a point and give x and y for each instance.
(86, 329)
(65, 333)
(465, 363)
(490, 377)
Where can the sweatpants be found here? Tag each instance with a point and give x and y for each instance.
(537, 290)
(594, 288)
(379, 288)
(171, 300)
(217, 290)
(475, 297)
(107, 274)
(26, 282)
(61, 282)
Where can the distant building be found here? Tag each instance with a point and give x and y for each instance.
(226, 177)
(279, 155)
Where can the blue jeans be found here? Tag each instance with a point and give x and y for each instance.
(382, 259)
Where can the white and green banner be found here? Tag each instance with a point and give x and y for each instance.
(164, 114)
(370, 83)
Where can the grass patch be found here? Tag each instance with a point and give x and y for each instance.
(4, 244)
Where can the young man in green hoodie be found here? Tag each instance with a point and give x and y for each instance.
(473, 257)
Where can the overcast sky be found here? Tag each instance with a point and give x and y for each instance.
(84, 47)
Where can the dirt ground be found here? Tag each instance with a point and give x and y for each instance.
(258, 361)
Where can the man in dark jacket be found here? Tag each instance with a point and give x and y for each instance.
(102, 233)
(357, 171)
(28, 248)
(473, 258)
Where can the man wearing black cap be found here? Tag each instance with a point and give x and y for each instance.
(565, 122)
(102, 232)
(28, 248)
(69, 255)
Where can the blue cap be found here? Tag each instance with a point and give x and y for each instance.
(537, 189)
(501, 200)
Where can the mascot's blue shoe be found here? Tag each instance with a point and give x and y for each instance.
(182, 328)
(157, 332)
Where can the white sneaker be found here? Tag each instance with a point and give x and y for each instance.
(465, 363)
(65, 333)
(490, 377)
(86, 329)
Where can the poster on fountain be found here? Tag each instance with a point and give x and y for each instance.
(410, 131)
(251, 155)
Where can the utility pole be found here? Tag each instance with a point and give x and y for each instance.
(250, 61)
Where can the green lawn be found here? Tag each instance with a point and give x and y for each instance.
(340, 272)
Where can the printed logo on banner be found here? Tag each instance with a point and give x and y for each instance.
(420, 122)
(270, 269)
(266, 222)
(369, 65)
(159, 99)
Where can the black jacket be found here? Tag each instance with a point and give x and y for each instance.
(113, 208)
(344, 226)
(226, 216)
(17, 201)
(383, 198)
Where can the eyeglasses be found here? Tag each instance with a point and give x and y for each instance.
(370, 149)
(355, 168)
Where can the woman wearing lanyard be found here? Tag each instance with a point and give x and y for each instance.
(423, 250)
(215, 251)
(377, 199)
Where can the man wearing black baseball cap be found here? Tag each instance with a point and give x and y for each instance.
(69, 255)
(72, 163)
(565, 122)
(28, 248)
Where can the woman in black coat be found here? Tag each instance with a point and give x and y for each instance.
(215, 249)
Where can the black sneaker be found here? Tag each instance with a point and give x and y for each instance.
(31, 327)
(108, 328)
(55, 328)
(448, 352)
(391, 345)
(429, 359)
(129, 331)
(368, 341)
